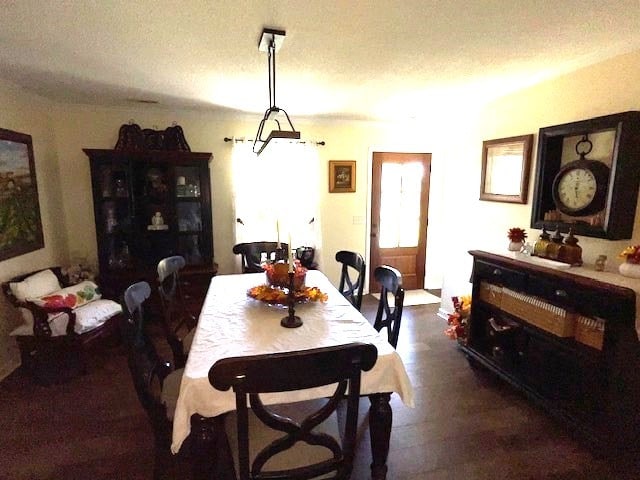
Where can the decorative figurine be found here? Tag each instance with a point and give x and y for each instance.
(601, 262)
(157, 222)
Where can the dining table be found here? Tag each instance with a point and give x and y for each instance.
(232, 324)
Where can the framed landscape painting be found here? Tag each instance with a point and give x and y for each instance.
(20, 224)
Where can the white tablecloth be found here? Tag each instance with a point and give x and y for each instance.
(232, 324)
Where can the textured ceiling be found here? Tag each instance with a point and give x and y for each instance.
(340, 59)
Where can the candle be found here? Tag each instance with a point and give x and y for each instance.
(290, 255)
(278, 232)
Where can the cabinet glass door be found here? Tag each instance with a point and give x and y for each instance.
(189, 213)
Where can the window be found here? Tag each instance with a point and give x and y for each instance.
(278, 188)
(400, 185)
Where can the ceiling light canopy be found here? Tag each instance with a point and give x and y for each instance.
(270, 42)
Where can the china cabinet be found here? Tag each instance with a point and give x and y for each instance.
(150, 204)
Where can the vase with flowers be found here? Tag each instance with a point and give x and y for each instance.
(457, 320)
(631, 265)
(516, 238)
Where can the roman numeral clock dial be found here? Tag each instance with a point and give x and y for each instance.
(580, 187)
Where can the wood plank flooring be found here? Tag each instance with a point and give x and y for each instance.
(466, 424)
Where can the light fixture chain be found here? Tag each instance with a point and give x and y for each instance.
(272, 72)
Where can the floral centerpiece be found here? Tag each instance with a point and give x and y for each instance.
(278, 274)
(277, 296)
(276, 290)
(458, 319)
(631, 265)
(631, 254)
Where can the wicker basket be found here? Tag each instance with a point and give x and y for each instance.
(590, 331)
(490, 293)
(537, 312)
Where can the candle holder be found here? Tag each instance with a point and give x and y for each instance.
(279, 252)
(291, 320)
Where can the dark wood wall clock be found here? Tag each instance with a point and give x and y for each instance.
(587, 176)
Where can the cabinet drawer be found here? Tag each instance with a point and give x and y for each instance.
(590, 301)
(551, 291)
(500, 275)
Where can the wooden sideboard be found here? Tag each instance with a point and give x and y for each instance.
(566, 341)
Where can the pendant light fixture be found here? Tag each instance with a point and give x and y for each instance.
(270, 42)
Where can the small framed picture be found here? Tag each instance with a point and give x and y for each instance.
(505, 169)
(342, 176)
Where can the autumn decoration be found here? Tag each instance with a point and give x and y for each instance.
(631, 254)
(516, 234)
(457, 320)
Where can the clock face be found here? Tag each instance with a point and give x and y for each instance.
(580, 187)
(577, 189)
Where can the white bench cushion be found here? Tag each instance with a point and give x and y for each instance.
(88, 317)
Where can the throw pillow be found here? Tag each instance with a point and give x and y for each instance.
(35, 285)
(71, 297)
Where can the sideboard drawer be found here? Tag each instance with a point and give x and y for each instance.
(498, 274)
(588, 300)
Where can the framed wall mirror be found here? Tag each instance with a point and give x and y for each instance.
(505, 169)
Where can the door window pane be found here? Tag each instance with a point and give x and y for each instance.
(400, 192)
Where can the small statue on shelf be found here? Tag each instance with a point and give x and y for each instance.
(157, 222)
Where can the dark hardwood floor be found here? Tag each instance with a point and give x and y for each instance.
(466, 424)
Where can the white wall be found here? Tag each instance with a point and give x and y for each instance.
(26, 113)
(78, 127)
(458, 221)
(605, 88)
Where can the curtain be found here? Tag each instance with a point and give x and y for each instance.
(277, 192)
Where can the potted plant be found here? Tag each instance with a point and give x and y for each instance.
(516, 238)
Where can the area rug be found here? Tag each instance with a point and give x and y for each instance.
(416, 297)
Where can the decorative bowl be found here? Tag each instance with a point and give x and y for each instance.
(278, 275)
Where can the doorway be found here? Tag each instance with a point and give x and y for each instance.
(399, 208)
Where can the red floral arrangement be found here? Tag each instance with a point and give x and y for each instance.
(631, 254)
(516, 234)
(458, 319)
(278, 274)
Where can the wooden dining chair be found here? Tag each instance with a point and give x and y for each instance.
(179, 324)
(352, 289)
(253, 253)
(389, 312)
(296, 449)
(156, 383)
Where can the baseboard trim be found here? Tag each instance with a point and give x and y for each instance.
(442, 313)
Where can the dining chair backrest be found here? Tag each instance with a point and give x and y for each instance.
(150, 374)
(254, 252)
(251, 376)
(148, 370)
(178, 322)
(352, 288)
(391, 302)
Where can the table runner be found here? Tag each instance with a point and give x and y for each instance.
(232, 324)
